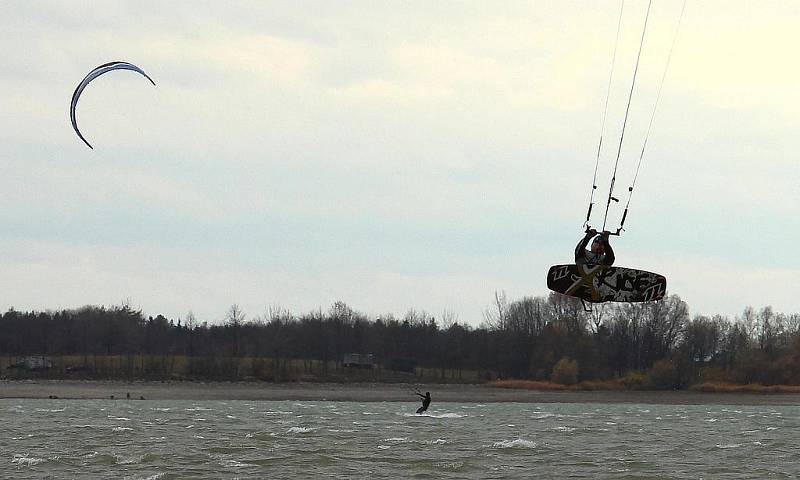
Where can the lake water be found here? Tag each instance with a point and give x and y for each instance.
(241, 439)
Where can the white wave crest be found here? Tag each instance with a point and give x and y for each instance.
(542, 416)
(121, 429)
(232, 463)
(435, 415)
(449, 465)
(26, 461)
(300, 430)
(129, 460)
(518, 443)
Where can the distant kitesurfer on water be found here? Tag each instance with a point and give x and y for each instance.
(426, 401)
(601, 252)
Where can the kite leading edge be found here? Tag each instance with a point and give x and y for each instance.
(96, 72)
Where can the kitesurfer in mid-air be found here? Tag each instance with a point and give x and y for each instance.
(601, 252)
(426, 401)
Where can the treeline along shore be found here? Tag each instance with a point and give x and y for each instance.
(544, 342)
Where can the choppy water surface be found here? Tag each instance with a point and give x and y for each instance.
(241, 439)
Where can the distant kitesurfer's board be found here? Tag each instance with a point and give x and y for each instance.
(599, 283)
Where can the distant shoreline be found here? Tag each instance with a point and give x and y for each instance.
(363, 392)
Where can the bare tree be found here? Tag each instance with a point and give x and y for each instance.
(234, 315)
(448, 319)
(235, 318)
(495, 316)
(597, 316)
(748, 322)
(767, 334)
(569, 312)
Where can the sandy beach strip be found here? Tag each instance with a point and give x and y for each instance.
(363, 392)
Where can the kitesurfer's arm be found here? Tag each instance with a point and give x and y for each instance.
(609, 252)
(580, 249)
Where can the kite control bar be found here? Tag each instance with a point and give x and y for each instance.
(605, 232)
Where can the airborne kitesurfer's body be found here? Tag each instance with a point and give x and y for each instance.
(601, 252)
(426, 401)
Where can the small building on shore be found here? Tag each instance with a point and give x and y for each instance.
(358, 360)
(32, 363)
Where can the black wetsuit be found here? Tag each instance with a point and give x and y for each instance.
(583, 256)
(426, 401)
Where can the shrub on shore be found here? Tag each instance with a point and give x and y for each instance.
(639, 381)
(565, 372)
(713, 387)
(594, 385)
(664, 376)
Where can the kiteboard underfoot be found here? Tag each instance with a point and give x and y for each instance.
(600, 283)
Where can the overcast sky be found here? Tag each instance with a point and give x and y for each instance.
(391, 155)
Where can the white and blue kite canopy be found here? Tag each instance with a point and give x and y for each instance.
(96, 72)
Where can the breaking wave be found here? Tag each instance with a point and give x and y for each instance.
(300, 430)
(518, 443)
(26, 461)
